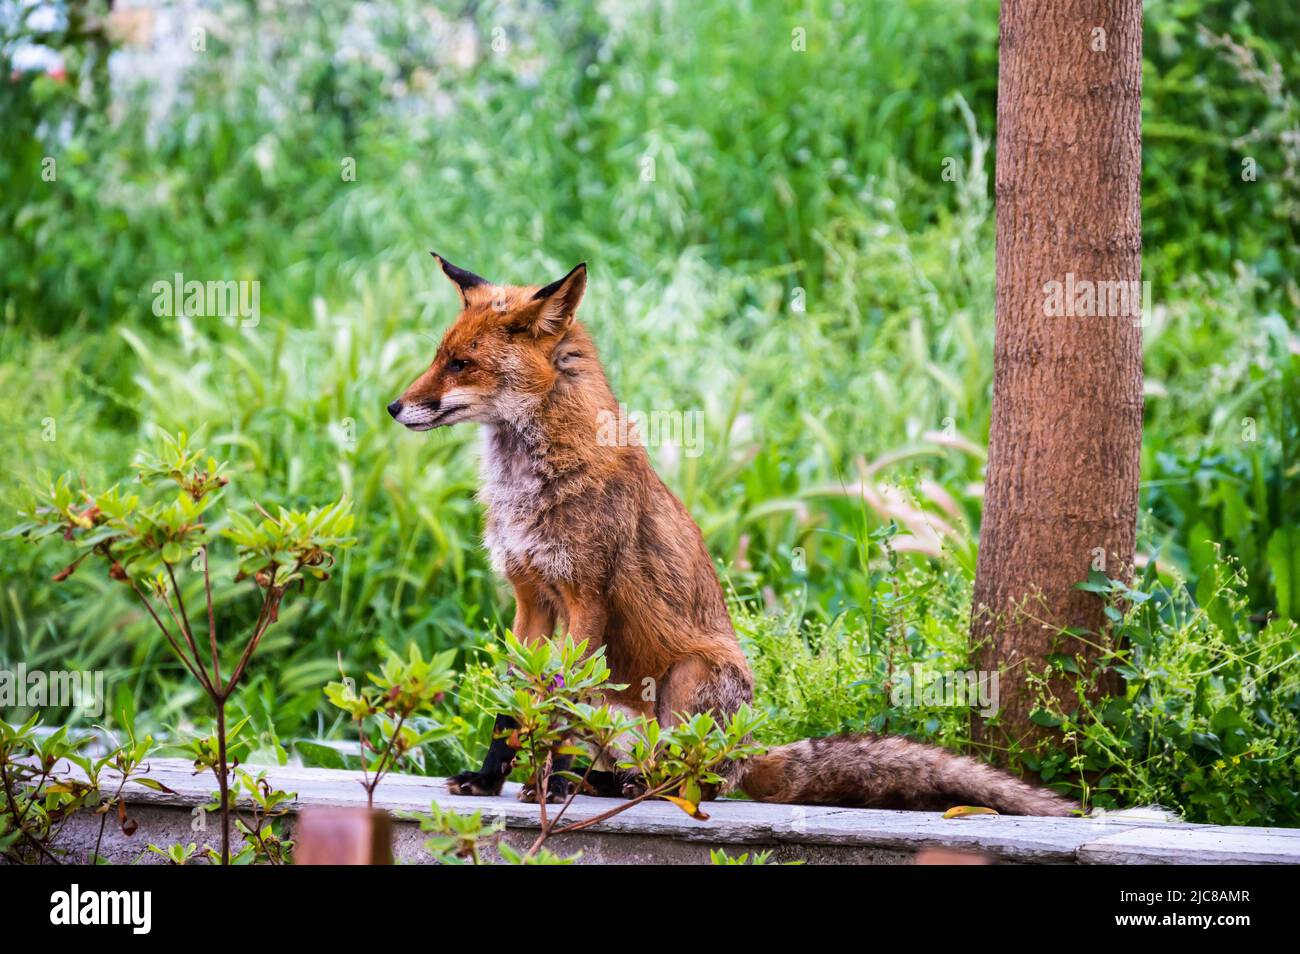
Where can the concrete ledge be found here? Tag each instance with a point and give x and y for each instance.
(658, 832)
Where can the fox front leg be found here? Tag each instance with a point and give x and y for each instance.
(534, 620)
(498, 762)
(584, 619)
(585, 615)
(534, 610)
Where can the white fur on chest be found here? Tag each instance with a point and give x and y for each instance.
(512, 490)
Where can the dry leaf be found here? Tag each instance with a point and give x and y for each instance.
(688, 807)
(964, 811)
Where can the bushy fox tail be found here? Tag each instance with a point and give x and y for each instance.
(869, 771)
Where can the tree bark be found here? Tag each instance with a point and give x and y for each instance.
(1065, 438)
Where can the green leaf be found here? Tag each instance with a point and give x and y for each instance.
(154, 784)
(1063, 661)
(1284, 564)
(1097, 582)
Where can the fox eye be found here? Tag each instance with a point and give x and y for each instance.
(456, 365)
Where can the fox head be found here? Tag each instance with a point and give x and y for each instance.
(500, 354)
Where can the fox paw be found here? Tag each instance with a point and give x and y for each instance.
(557, 790)
(475, 783)
(633, 786)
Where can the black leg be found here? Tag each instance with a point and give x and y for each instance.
(498, 762)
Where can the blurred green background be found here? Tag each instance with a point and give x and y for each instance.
(759, 189)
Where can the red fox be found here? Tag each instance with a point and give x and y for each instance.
(591, 538)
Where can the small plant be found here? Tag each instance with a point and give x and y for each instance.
(553, 691)
(385, 712)
(535, 856)
(263, 841)
(38, 795)
(457, 839)
(148, 541)
(177, 854)
(720, 857)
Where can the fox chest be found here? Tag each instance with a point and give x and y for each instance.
(517, 534)
(516, 545)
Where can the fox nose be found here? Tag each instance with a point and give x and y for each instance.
(395, 408)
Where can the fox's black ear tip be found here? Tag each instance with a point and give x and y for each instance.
(461, 278)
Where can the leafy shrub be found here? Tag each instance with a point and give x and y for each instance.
(1210, 718)
(386, 711)
(146, 539)
(1208, 722)
(38, 795)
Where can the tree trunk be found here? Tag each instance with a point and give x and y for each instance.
(1065, 439)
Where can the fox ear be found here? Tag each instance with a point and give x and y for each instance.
(462, 279)
(557, 303)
